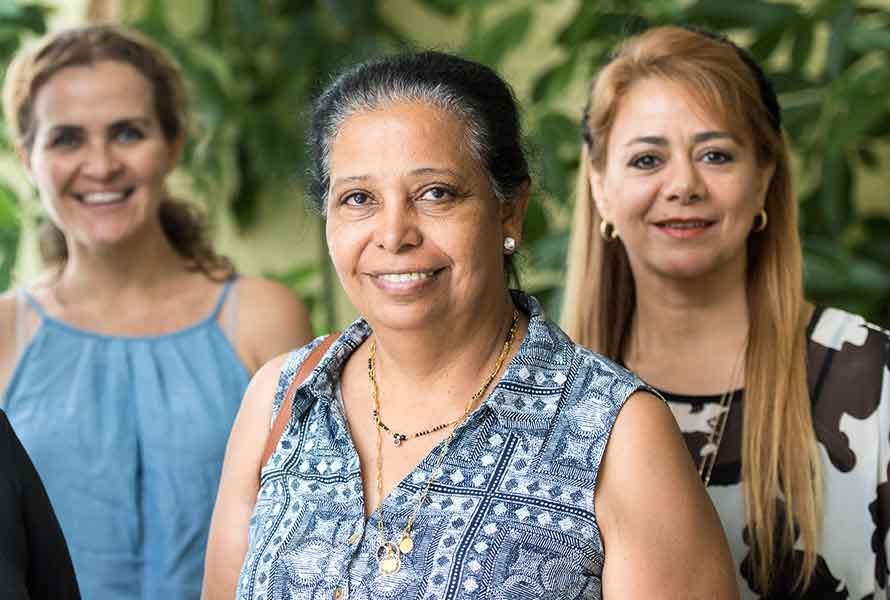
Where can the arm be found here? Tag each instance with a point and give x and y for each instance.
(659, 528)
(227, 543)
(48, 568)
(9, 341)
(271, 320)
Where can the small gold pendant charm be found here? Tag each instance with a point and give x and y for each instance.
(406, 544)
(390, 559)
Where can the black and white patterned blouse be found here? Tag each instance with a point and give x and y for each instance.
(848, 366)
(510, 514)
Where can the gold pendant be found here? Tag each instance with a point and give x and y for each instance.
(406, 544)
(390, 559)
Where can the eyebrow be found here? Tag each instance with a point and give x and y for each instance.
(414, 173)
(142, 121)
(698, 138)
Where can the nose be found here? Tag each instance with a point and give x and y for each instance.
(100, 162)
(398, 228)
(686, 185)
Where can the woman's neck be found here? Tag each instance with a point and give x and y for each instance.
(450, 360)
(138, 265)
(689, 336)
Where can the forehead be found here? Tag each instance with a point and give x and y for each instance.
(659, 106)
(86, 94)
(400, 137)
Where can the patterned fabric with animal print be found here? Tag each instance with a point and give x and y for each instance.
(848, 365)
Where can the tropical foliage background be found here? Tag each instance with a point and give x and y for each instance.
(255, 64)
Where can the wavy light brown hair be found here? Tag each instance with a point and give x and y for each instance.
(183, 224)
(779, 452)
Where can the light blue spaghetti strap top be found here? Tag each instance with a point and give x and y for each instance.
(128, 434)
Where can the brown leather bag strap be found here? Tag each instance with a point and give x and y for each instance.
(283, 416)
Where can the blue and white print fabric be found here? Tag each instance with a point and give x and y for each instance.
(510, 514)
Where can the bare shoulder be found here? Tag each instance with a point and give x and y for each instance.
(8, 310)
(272, 319)
(654, 511)
(8, 323)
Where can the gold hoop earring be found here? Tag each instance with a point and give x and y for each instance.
(763, 221)
(608, 231)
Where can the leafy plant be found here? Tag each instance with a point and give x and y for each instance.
(17, 22)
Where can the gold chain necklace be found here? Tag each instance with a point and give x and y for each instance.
(389, 553)
(709, 451)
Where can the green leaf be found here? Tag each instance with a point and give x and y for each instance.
(536, 223)
(491, 47)
(558, 139)
(553, 82)
(841, 25)
(766, 43)
(9, 212)
(757, 14)
(866, 39)
(835, 202)
(593, 24)
(445, 7)
(803, 44)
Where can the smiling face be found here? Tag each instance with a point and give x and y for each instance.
(681, 189)
(414, 231)
(99, 157)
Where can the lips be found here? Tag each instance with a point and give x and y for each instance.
(684, 223)
(409, 275)
(104, 197)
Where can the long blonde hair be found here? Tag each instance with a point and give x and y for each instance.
(779, 452)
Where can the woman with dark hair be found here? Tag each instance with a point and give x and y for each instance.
(686, 266)
(452, 442)
(34, 560)
(131, 352)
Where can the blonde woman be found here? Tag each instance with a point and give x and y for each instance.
(123, 365)
(686, 266)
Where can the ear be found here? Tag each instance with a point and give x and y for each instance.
(513, 213)
(597, 189)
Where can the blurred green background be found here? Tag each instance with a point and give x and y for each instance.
(254, 65)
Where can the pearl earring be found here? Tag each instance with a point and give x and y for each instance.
(509, 245)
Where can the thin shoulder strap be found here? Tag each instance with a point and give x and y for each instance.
(22, 301)
(230, 318)
(227, 288)
(284, 413)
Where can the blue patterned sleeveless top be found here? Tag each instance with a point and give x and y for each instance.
(128, 435)
(510, 514)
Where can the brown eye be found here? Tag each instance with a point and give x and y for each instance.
(437, 194)
(356, 199)
(646, 161)
(716, 157)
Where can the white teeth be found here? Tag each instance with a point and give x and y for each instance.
(685, 224)
(102, 197)
(404, 277)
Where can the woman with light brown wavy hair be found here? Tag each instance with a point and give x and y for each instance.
(685, 265)
(124, 363)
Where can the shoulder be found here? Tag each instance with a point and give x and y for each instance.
(844, 331)
(260, 296)
(843, 344)
(271, 318)
(8, 316)
(847, 372)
